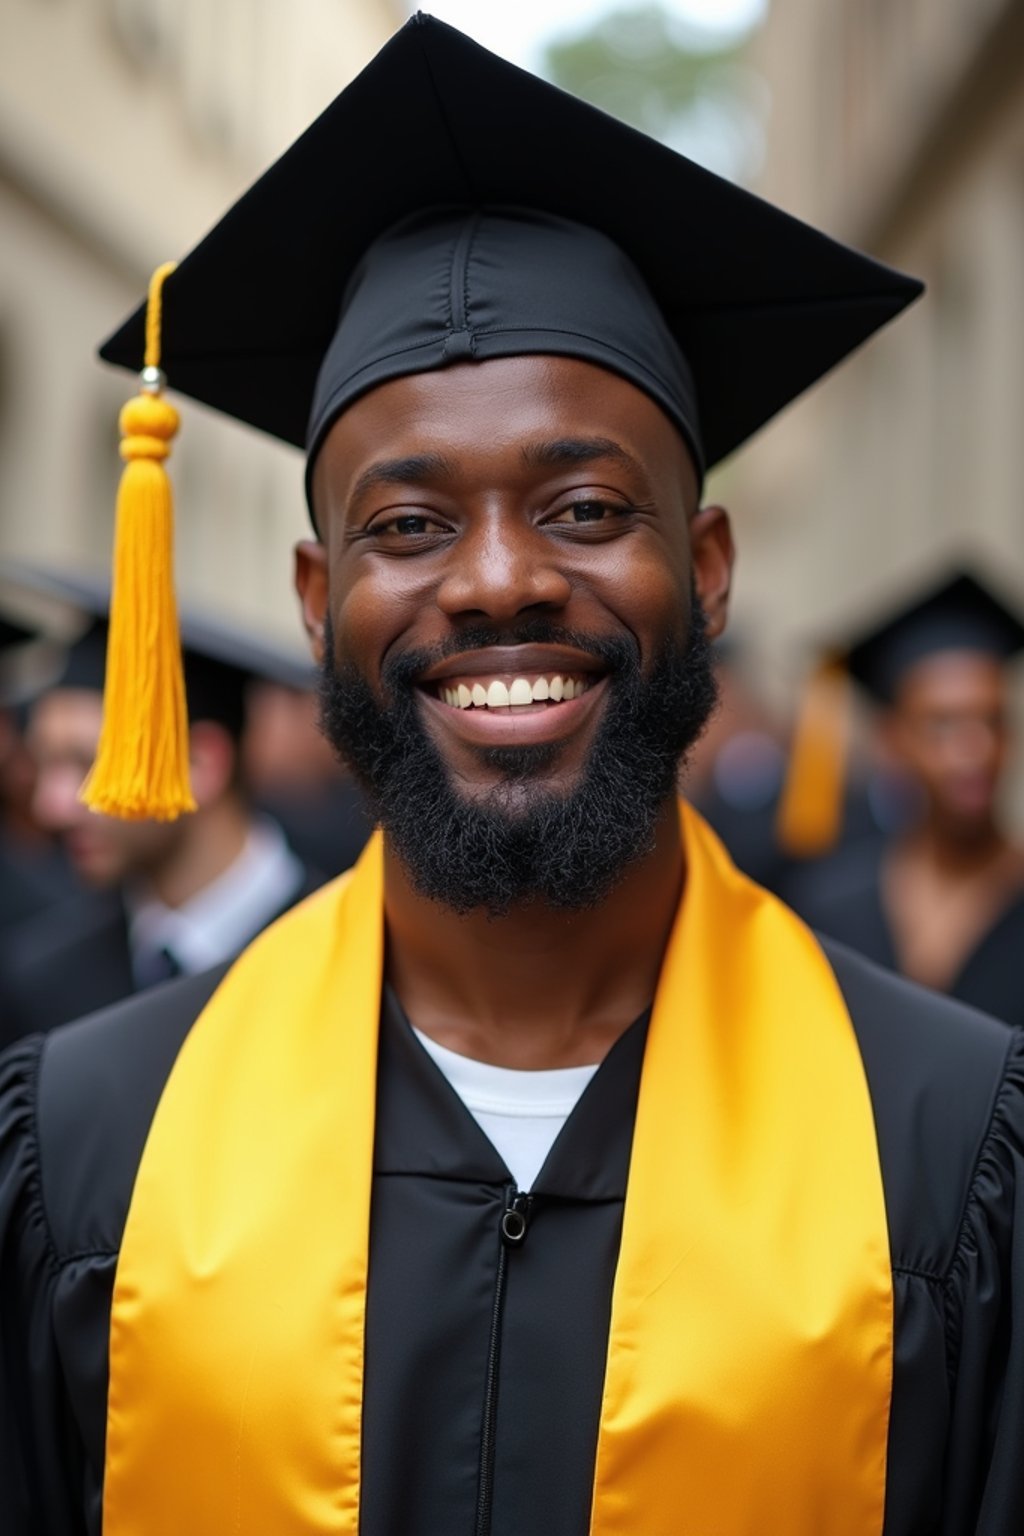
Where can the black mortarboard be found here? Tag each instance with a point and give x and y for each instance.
(448, 205)
(13, 632)
(220, 660)
(18, 631)
(959, 613)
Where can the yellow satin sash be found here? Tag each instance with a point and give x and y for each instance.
(750, 1350)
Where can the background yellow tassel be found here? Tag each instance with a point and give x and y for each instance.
(810, 814)
(142, 766)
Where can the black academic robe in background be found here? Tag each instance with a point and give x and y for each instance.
(29, 882)
(75, 958)
(472, 1342)
(844, 900)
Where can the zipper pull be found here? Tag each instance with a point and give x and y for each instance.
(514, 1221)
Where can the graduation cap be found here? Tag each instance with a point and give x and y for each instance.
(446, 207)
(17, 637)
(13, 633)
(957, 612)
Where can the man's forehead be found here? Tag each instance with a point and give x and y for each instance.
(533, 413)
(952, 679)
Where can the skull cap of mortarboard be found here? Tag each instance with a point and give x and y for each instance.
(959, 612)
(448, 206)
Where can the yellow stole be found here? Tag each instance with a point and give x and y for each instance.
(750, 1351)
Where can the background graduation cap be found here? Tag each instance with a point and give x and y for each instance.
(961, 612)
(220, 661)
(750, 306)
(13, 633)
(958, 611)
(18, 644)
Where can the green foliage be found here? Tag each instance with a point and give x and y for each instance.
(641, 65)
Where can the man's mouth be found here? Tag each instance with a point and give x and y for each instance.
(517, 694)
(512, 693)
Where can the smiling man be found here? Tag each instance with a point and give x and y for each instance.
(542, 1175)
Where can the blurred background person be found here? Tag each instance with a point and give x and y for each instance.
(163, 898)
(943, 901)
(751, 777)
(294, 775)
(735, 772)
(33, 870)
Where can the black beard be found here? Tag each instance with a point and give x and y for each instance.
(520, 843)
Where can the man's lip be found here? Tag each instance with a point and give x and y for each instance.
(514, 661)
(530, 726)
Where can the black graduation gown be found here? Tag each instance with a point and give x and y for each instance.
(484, 1361)
(29, 882)
(75, 958)
(844, 900)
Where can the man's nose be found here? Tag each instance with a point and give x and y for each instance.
(498, 571)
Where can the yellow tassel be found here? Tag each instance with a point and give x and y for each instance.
(142, 766)
(810, 814)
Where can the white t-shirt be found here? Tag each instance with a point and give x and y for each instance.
(520, 1112)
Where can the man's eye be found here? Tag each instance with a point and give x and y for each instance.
(407, 525)
(590, 511)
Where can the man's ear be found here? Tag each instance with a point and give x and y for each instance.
(714, 555)
(312, 586)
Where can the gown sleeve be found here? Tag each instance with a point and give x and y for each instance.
(41, 1462)
(984, 1494)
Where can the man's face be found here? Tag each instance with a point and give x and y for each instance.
(949, 728)
(526, 525)
(63, 737)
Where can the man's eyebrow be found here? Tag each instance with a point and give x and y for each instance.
(566, 451)
(414, 469)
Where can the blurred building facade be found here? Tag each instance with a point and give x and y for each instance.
(897, 125)
(126, 128)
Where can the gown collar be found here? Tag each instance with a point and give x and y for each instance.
(424, 1128)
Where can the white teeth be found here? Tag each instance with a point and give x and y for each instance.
(498, 695)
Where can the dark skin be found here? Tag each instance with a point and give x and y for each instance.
(947, 882)
(484, 493)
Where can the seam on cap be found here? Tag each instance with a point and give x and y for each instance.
(477, 220)
(453, 143)
(551, 330)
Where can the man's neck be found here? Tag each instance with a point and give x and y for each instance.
(538, 988)
(955, 852)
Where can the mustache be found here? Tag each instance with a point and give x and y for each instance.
(618, 653)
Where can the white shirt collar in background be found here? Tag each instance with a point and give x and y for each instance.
(221, 918)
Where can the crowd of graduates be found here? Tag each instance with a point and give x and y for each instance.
(93, 909)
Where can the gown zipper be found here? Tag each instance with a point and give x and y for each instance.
(514, 1222)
